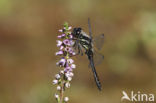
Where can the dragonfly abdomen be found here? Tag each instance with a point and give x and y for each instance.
(90, 57)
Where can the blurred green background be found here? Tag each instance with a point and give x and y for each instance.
(28, 31)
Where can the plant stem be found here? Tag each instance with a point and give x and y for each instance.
(62, 92)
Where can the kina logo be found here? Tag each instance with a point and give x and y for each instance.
(140, 97)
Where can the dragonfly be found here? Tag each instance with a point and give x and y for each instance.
(87, 43)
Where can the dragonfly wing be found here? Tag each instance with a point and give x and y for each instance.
(99, 41)
(89, 26)
(98, 58)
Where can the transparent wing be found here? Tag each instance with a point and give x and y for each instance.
(89, 26)
(98, 58)
(98, 41)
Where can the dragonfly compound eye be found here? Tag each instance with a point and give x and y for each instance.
(76, 32)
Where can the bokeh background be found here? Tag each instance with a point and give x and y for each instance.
(28, 31)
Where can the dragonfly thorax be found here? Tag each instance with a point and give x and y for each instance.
(82, 38)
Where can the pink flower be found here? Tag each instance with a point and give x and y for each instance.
(69, 28)
(70, 36)
(59, 43)
(55, 81)
(57, 76)
(62, 62)
(61, 47)
(60, 30)
(68, 49)
(67, 42)
(61, 36)
(73, 53)
(70, 61)
(68, 69)
(59, 53)
(71, 74)
(64, 77)
(73, 66)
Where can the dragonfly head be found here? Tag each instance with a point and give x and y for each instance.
(76, 32)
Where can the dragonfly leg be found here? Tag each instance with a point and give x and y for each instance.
(80, 50)
(77, 47)
(75, 44)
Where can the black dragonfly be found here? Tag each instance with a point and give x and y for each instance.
(87, 43)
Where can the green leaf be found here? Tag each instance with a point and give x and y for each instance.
(66, 25)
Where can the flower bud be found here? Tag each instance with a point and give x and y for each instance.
(55, 81)
(66, 99)
(62, 72)
(60, 30)
(69, 27)
(61, 48)
(73, 53)
(69, 78)
(58, 87)
(67, 85)
(56, 96)
(57, 76)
